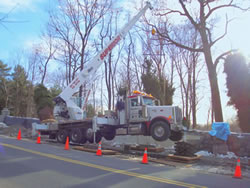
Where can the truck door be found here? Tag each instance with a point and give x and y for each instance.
(135, 110)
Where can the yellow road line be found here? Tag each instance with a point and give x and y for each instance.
(142, 176)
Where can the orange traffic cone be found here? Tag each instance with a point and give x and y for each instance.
(67, 144)
(237, 173)
(99, 150)
(19, 137)
(38, 141)
(145, 157)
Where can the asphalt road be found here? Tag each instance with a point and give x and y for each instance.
(25, 164)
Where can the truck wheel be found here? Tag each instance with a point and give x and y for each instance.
(76, 135)
(176, 136)
(62, 136)
(52, 136)
(160, 131)
(110, 135)
(98, 137)
(84, 138)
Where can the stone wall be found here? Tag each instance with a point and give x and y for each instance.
(4, 112)
(23, 121)
(13, 120)
(238, 143)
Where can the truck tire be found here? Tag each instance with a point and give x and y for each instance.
(76, 135)
(176, 136)
(62, 136)
(84, 138)
(160, 131)
(98, 137)
(110, 135)
(52, 136)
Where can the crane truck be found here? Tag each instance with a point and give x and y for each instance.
(135, 115)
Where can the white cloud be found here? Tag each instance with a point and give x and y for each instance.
(31, 41)
(20, 5)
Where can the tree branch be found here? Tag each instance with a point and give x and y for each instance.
(229, 5)
(170, 12)
(223, 35)
(187, 14)
(222, 56)
(171, 41)
(209, 35)
(168, 39)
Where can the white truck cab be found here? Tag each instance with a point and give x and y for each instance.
(141, 116)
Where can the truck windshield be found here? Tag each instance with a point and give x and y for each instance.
(148, 101)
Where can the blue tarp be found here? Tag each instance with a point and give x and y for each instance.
(220, 130)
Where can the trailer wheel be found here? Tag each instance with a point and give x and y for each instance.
(176, 136)
(62, 136)
(110, 135)
(76, 135)
(160, 131)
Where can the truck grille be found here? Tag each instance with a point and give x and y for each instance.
(178, 115)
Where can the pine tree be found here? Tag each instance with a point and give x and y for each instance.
(44, 102)
(158, 87)
(4, 84)
(18, 92)
(90, 111)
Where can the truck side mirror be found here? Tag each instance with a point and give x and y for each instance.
(157, 102)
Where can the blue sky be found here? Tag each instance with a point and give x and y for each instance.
(31, 17)
(25, 21)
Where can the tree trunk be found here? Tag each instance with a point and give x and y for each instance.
(102, 95)
(216, 102)
(7, 94)
(81, 89)
(109, 82)
(188, 93)
(194, 93)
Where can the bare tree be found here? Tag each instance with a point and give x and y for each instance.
(58, 77)
(131, 68)
(155, 48)
(76, 20)
(188, 69)
(32, 74)
(201, 17)
(127, 63)
(45, 52)
(108, 30)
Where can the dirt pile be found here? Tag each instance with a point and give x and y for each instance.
(45, 113)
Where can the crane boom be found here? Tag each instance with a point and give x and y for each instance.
(89, 71)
